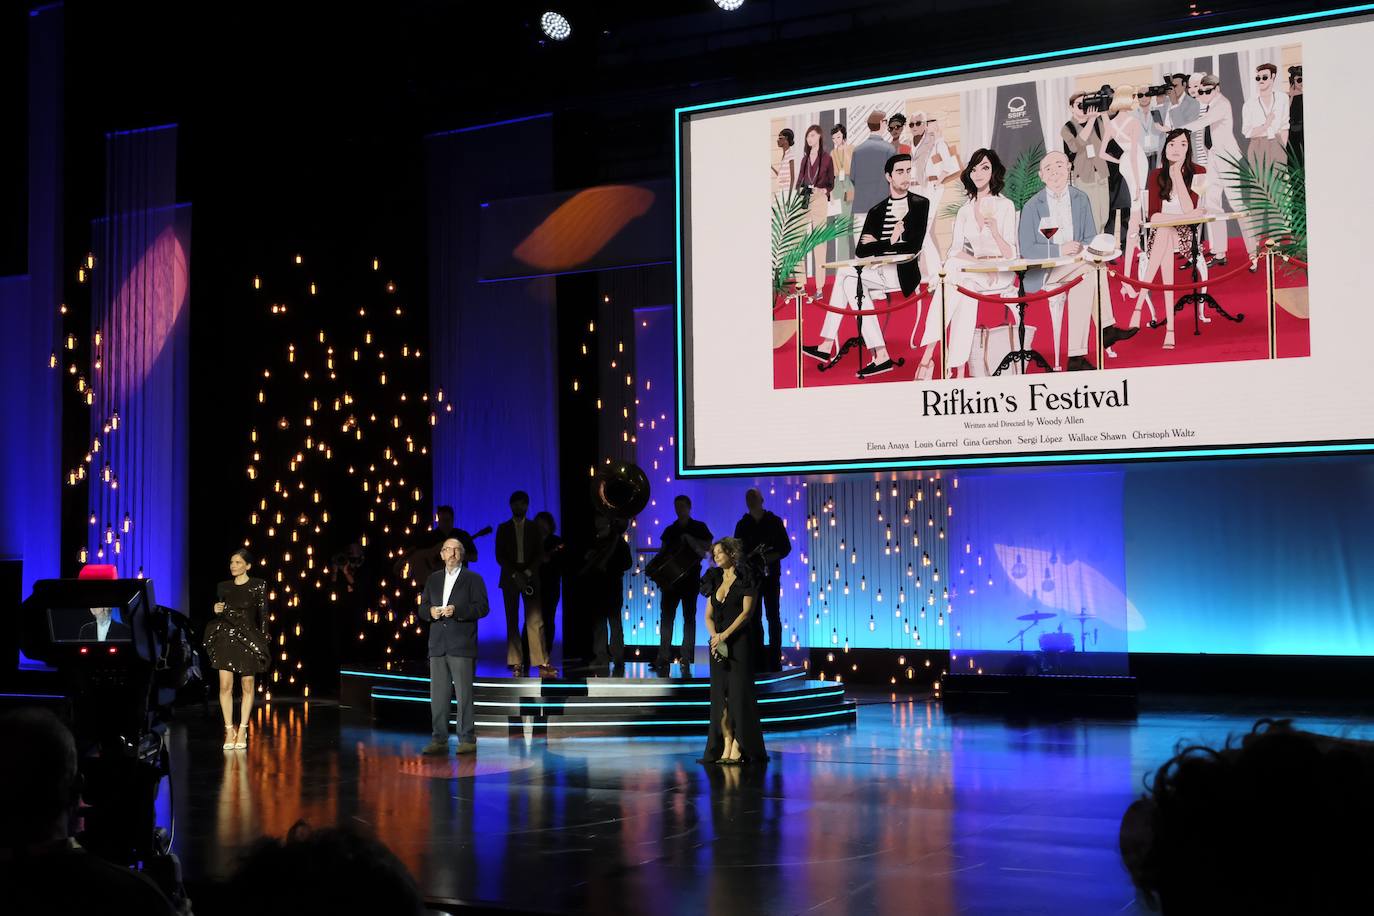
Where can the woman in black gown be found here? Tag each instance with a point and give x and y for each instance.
(736, 734)
(236, 642)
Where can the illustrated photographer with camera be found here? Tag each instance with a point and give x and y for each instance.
(1083, 145)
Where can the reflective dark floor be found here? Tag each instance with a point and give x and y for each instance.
(910, 811)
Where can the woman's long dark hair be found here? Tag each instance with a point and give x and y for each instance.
(995, 183)
(744, 572)
(820, 140)
(1165, 180)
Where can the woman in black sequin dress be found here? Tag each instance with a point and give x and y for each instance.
(736, 734)
(236, 642)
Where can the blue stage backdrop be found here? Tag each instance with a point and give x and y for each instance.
(490, 345)
(140, 329)
(31, 487)
(1265, 558)
(1044, 546)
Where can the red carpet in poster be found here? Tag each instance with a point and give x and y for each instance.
(1220, 341)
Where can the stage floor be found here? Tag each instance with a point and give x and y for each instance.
(911, 810)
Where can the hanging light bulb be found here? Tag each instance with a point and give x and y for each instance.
(1018, 569)
(872, 624)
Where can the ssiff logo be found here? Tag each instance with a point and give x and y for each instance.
(1016, 113)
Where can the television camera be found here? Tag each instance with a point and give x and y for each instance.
(121, 659)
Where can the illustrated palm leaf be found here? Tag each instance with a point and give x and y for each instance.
(951, 210)
(793, 235)
(1023, 178)
(1275, 196)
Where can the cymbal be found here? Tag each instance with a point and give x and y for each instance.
(1082, 616)
(1036, 615)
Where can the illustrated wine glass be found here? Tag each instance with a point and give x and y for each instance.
(1048, 227)
(1199, 187)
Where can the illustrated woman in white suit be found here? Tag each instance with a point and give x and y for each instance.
(985, 227)
(1126, 147)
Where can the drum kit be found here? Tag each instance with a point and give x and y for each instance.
(1056, 641)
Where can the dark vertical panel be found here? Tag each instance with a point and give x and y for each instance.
(490, 343)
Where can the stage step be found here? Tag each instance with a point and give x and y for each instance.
(600, 705)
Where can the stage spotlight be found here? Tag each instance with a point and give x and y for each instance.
(555, 25)
(729, 5)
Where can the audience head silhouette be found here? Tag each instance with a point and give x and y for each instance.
(42, 870)
(38, 786)
(336, 870)
(1275, 823)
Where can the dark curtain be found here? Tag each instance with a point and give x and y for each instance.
(491, 345)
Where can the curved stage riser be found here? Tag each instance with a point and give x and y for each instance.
(600, 705)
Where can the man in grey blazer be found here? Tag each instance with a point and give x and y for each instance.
(454, 599)
(1070, 212)
(869, 165)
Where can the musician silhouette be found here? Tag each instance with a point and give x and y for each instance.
(519, 553)
(602, 576)
(684, 542)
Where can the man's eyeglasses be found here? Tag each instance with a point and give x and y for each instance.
(1205, 91)
(1262, 77)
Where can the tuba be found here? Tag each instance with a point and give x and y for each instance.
(620, 490)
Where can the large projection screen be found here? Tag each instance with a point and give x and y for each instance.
(1273, 360)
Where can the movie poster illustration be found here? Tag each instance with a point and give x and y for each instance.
(1085, 258)
(1156, 191)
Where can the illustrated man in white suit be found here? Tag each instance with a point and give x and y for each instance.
(1215, 122)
